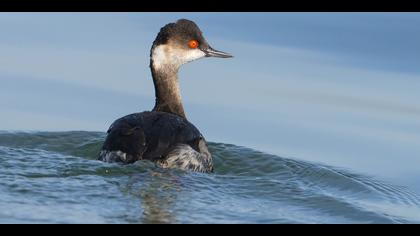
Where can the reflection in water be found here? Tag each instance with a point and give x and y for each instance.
(158, 192)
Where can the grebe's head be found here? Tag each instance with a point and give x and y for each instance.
(181, 42)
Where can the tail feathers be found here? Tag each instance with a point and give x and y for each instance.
(185, 157)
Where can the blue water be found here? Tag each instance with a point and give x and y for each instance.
(53, 177)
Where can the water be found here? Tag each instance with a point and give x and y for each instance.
(53, 177)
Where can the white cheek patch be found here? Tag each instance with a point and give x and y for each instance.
(193, 54)
(163, 55)
(159, 56)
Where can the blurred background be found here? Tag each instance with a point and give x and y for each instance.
(335, 88)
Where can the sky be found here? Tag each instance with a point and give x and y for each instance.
(336, 88)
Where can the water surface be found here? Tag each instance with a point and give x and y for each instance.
(54, 177)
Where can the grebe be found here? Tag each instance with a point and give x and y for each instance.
(164, 135)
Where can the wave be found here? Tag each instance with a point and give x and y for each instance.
(247, 186)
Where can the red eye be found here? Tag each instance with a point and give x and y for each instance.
(193, 44)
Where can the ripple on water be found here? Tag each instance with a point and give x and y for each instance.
(55, 178)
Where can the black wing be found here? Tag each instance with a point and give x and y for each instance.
(150, 135)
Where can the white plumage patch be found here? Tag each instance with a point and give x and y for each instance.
(170, 56)
(185, 157)
(112, 156)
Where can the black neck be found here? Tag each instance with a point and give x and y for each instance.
(168, 96)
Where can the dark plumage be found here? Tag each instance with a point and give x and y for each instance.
(164, 135)
(149, 135)
(182, 31)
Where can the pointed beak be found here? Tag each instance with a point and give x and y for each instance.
(210, 52)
